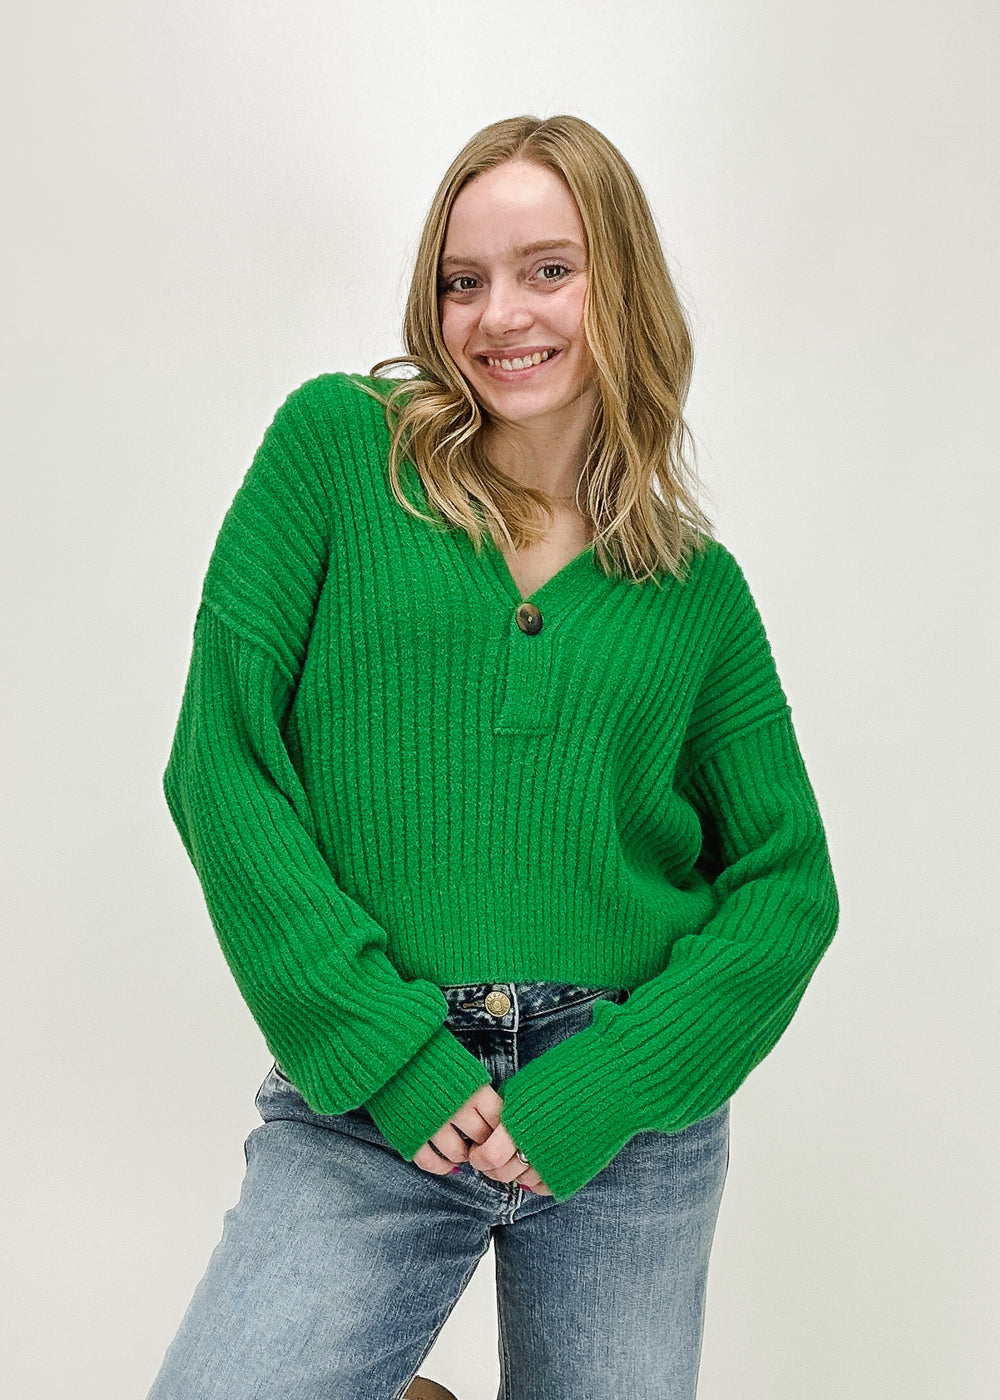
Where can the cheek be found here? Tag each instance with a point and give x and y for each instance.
(572, 319)
(585, 363)
(454, 328)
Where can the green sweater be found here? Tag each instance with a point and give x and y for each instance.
(389, 779)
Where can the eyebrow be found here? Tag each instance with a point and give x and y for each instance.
(546, 245)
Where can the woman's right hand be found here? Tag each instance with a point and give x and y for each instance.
(479, 1120)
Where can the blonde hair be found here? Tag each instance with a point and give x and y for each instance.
(641, 345)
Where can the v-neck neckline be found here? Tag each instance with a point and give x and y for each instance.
(490, 567)
(554, 581)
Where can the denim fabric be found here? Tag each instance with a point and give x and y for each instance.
(342, 1261)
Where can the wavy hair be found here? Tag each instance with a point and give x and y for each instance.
(641, 483)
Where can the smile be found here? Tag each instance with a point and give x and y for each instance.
(519, 362)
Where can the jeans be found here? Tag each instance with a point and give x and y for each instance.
(342, 1260)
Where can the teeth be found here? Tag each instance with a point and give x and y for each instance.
(521, 363)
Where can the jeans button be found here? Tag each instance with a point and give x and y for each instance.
(497, 1003)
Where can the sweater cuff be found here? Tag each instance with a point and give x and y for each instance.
(421, 1097)
(570, 1111)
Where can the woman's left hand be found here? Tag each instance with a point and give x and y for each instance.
(497, 1158)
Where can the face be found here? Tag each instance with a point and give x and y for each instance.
(513, 278)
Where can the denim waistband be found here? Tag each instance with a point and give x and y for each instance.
(503, 1005)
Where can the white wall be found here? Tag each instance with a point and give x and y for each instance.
(213, 201)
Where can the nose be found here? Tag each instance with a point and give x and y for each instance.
(506, 309)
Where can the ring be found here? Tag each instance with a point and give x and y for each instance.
(522, 1157)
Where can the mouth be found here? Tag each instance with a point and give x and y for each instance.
(517, 364)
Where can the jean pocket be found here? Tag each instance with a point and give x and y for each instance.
(546, 1029)
(282, 1081)
(574, 1004)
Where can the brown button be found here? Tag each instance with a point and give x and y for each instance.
(497, 1003)
(529, 619)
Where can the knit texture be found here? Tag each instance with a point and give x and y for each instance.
(386, 787)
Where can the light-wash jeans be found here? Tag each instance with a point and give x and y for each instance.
(341, 1261)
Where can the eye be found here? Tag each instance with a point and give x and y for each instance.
(558, 269)
(464, 282)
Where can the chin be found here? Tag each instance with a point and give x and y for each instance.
(526, 403)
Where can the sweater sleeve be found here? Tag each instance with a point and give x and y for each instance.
(309, 961)
(685, 1040)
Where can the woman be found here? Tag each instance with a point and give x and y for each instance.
(501, 820)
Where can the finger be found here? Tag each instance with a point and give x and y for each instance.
(469, 1125)
(527, 1177)
(430, 1161)
(495, 1153)
(531, 1181)
(472, 1124)
(450, 1143)
(478, 1116)
(511, 1170)
(488, 1103)
(489, 1158)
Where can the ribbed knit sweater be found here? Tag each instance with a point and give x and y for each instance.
(388, 783)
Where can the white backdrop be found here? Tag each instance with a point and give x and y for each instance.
(212, 202)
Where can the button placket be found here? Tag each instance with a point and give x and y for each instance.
(527, 706)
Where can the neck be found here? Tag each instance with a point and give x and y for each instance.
(546, 456)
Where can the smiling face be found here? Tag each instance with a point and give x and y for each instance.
(513, 279)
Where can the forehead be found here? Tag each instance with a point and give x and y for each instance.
(510, 209)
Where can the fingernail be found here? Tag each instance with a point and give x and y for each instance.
(453, 1171)
(527, 1188)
